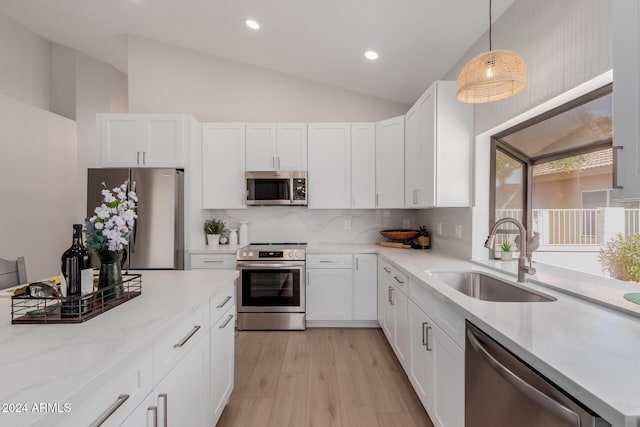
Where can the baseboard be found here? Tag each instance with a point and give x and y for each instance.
(342, 324)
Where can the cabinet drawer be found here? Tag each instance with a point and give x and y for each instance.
(329, 261)
(177, 340)
(449, 320)
(213, 261)
(395, 277)
(114, 395)
(221, 302)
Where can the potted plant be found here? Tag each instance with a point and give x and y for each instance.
(213, 229)
(424, 238)
(620, 256)
(506, 255)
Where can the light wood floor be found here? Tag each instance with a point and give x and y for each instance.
(320, 378)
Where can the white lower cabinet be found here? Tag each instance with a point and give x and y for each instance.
(432, 359)
(145, 415)
(365, 301)
(222, 353)
(329, 294)
(182, 396)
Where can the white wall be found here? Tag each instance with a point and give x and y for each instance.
(38, 175)
(25, 64)
(564, 44)
(63, 81)
(168, 79)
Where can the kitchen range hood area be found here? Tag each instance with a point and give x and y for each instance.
(285, 309)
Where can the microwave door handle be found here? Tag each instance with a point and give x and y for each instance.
(527, 389)
(290, 185)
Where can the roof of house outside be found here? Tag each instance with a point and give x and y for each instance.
(592, 160)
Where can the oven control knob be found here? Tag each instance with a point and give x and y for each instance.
(244, 254)
(296, 254)
(250, 254)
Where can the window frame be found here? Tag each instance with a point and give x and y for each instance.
(497, 143)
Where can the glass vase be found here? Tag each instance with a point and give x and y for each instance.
(110, 276)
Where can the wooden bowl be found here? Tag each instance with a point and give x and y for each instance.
(402, 234)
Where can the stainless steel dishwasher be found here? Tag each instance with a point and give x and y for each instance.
(502, 391)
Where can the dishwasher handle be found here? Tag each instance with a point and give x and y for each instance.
(527, 389)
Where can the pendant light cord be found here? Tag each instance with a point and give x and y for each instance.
(489, 25)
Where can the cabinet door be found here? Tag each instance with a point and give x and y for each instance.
(363, 165)
(329, 294)
(145, 415)
(183, 395)
(120, 138)
(448, 380)
(329, 164)
(365, 301)
(222, 352)
(223, 160)
(390, 163)
(412, 157)
(401, 343)
(291, 154)
(164, 141)
(389, 327)
(382, 294)
(421, 369)
(626, 89)
(261, 147)
(426, 194)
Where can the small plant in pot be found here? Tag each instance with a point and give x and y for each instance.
(506, 255)
(213, 229)
(424, 237)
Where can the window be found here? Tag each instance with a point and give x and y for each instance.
(554, 174)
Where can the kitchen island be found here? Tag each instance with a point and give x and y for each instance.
(69, 374)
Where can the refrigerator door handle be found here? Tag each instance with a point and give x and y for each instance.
(132, 237)
(538, 396)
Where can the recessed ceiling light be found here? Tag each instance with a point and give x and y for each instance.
(372, 55)
(252, 24)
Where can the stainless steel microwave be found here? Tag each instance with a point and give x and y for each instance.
(276, 188)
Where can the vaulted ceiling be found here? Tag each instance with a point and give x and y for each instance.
(324, 40)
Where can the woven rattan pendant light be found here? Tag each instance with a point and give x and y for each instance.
(492, 76)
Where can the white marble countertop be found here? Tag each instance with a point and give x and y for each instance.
(590, 351)
(50, 363)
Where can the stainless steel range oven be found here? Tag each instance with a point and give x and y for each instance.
(271, 286)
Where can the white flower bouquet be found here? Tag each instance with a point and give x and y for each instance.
(109, 228)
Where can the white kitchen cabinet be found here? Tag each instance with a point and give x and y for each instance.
(395, 317)
(626, 98)
(209, 261)
(222, 353)
(145, 415)
(329, 294)
(390, 163)
(281, 146)
(363, 165)
(182, 397)
(143, 140)
(448, 361)
(329, 166)
(223, 166)
(421, 356)
(365, 301)
(438, 149)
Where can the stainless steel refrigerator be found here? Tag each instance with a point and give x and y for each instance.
(157, 240)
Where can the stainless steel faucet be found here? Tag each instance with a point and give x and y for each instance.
(525, 254)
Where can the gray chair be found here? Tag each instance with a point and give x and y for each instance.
(12, 273)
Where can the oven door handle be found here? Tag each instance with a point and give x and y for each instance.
(270, 265)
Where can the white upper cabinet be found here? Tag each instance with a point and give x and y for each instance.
(223, 160)
(438, 149)
(143, 140)
(390, 163)
(626, 98)
(363, 165)
(272, 146)
(329, 166)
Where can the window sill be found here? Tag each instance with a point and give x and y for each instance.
(599, 290)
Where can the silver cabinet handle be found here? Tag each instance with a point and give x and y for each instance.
(144, 157)
(531, 392)
(273, 162)
(165, 408)
(308, 281)
(415, 198)
(391, 295)
(226, 322)
(278, 162)
(614, 166)
(216, 261)
(137, 157)
(357, 263)
(111, 410)
(154, 411)
(386, 269)
(426, 344)
(222, 304)
(377, 200)
(326, 261)
(398, 280)
(187, 337)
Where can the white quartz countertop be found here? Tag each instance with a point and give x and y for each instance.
(590, 351)
(49, 363)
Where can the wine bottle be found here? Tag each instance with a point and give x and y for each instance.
(77, 276)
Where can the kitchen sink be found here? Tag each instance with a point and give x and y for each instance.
(488, 288)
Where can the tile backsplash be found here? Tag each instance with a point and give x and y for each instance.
(298, 224)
